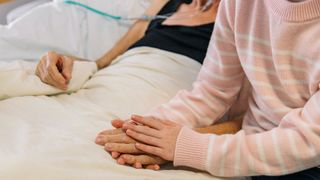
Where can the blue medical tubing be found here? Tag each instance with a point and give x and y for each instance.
(119, 18)
(93, 10)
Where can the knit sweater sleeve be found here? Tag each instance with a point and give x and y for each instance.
(291, 147)
(218, 83)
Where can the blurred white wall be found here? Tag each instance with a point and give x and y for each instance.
(7, 7)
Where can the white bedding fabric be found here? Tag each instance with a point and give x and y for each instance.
(18, 79)
(52, 137)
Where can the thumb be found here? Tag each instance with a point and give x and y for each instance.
(67, 66)
(117, 123)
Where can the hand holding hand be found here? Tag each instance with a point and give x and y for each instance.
(116, 140)
(159, 136)
(122, 148)
(55, 70)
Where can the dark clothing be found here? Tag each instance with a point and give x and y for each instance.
(191, 41)
(310, 174)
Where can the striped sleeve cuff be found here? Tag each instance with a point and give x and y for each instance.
(191, 149)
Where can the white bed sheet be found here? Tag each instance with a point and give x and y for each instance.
(53, 137)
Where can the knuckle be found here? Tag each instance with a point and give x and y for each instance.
(51, 52)
(51, 68)
(125, 139)
(45, 78)
(158, 152)
(149, 139)
(138, 136)
(43, 58)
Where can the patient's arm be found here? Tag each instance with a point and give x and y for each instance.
(228, 127)
(135, 33)
(56, 69)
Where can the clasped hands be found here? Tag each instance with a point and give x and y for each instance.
(142, 142)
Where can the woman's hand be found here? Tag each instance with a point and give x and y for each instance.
(159, 136)
(55, 69)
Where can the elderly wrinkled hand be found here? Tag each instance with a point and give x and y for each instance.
(122, 148)
(55, 69)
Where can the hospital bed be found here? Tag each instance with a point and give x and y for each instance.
(51, 135)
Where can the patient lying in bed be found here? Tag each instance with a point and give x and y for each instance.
(183, 33)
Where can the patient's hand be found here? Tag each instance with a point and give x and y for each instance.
(122, 148)
(55, 69)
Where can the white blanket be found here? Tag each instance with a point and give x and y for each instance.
(53, 137)
(18, 79)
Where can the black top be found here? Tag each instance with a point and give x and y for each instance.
(191, 41)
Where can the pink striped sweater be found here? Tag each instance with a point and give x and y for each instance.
(276, 45)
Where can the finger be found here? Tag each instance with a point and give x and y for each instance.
(149, 121)
(67, 67)
(154, 167)
(122, 148)
(120, 161)
(143, 159)
(115, 155)
(143, 129)
(38, 68)
(44, 73)
(128, 122)
(118, 138)
(42, 68)
(144, 138)
(117, 123)
(39, 71)
(102, 138)
(150, 149)
(56, 77)
(138, 161)
(111, 132)
(137, 165)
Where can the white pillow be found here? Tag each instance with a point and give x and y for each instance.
(19, 11)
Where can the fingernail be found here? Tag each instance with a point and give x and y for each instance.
(128, 131)
(108, 146)
(113, 155)
(120, 161)
(98, 140)
(135, 116)
(138, 166)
